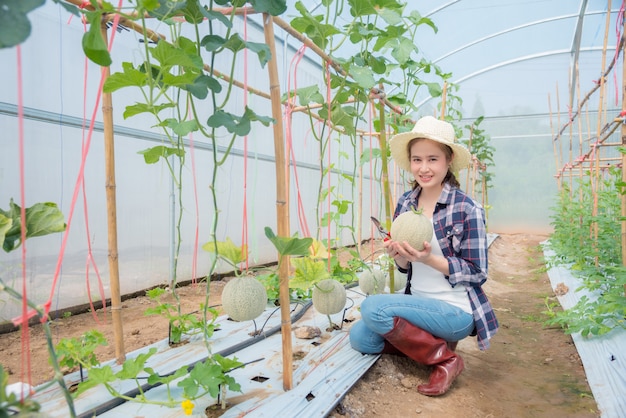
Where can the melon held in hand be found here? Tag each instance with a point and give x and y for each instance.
(413, 227)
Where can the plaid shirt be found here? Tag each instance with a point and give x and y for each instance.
(459, 225)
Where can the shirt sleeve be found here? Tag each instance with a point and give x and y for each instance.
(468, 264)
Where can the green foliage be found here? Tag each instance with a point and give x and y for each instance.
(14, 24)
(180, 323)
(10, 403)
(594, 257)
(201, 379)
(41, 219)
(74, 352)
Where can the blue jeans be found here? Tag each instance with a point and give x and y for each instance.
(434, 316)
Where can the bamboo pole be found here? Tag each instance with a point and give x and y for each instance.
(382, 141)
(109, 155)
(282, 206)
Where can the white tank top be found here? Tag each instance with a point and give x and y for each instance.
(430, 283)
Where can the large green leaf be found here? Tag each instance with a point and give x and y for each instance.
(152, 155)
(363, 76)
(94, 45)
(128, 77)
(289, 246)
(14, 25)
(138, 108)
(41, 219)
(170, 56)
(226, 249)
(307, 272)
(272, 7)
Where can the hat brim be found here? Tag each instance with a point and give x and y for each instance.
(398, 147)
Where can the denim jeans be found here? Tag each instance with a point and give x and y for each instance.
(437, 317)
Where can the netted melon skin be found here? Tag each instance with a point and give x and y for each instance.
(244, 298)
(329, 297)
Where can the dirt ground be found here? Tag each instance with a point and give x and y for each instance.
(530, 371)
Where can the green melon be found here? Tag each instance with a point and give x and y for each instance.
(244, 298)
(372, 281)
(413, 227)
(399, 281)
(329, 296)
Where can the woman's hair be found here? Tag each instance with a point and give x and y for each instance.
(450, 177)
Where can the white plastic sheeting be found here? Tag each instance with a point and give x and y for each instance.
(603, 357)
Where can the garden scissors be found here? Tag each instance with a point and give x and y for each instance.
(380, 229)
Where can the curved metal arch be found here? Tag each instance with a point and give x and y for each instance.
(518, 60)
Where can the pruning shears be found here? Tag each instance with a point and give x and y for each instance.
(381, 229)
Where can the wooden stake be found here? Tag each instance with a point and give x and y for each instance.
(282, 206)
(114, 276)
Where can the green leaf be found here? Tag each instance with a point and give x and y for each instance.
(152, 155)
(201, 86)
(14, 25)
(308, 95)
(307, 272)
(129, 77)
(41, 219)
(170, 56)
(310, 25)
(226, 249)
(289, 246)
(97, 376)
(94, 46)
(5, 226)
(272, 7)
(261, 50)
(402, 52)
(212, 42)
(192, 12)
(133, 366)
(238, 125)
(138, 108)
(181, 128)
(214, 15)
(363, 76)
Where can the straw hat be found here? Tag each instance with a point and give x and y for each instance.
(434, 129)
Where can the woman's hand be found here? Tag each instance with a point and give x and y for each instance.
(403, 253)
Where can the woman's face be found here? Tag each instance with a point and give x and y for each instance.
(429, 163)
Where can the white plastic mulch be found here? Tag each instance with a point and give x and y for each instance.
(603, 357)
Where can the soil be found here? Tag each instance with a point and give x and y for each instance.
(529, 371)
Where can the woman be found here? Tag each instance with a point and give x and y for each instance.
(443, 301)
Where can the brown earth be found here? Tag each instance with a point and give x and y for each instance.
(530, 370)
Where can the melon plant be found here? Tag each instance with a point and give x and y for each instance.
(244, 298)
(329, 296)
(413, 227)
(372, 281)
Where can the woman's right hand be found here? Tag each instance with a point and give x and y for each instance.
(393, 249)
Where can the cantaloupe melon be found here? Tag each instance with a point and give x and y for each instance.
(329, 296)
(413, 227)
(399, 281)
(244, 298)
(372, 281)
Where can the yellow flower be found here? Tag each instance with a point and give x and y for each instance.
(187, 406)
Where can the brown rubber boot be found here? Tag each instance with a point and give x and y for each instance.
(429, 350)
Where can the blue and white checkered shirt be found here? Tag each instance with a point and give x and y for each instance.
(459, 225)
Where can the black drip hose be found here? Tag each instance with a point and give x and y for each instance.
(112, 403)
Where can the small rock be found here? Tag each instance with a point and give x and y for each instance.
(406, 383)
(307, 332)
